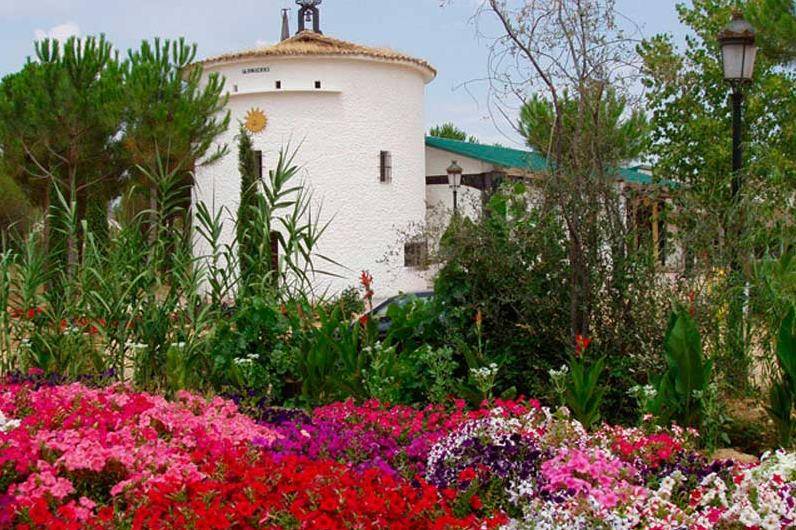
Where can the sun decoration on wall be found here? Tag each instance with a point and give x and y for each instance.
(256, 121)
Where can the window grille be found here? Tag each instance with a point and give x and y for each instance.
(416, 254)
(385, 166)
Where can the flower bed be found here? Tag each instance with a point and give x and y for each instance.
(74, 457)
(546, 471)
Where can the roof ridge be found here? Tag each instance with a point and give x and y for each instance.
(309, 35)
(495, 146)
(494, 154)
(528, 160)
(309, 43)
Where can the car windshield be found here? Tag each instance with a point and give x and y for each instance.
(400, 301)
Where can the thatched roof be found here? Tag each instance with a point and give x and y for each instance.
(310, 44)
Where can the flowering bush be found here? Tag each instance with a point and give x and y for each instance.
(490, 455)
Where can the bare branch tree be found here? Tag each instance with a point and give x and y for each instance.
(568, 66)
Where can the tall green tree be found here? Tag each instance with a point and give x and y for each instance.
(249, 189)
(19, 187)
(692, 142)
(172, 117)
(62, 116)
(621, 138)
(777, 19)
(450, 131)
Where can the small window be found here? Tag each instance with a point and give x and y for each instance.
(258, 163)
(234, 88)
(317, 84)
(279, 85)
(385, 166)
(416, 254)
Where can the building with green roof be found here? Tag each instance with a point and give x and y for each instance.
(485, 166)
(516, 162)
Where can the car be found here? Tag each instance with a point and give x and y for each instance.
(380, 311)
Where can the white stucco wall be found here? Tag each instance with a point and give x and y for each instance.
(364, 106)
(440, 196)
(438, 161)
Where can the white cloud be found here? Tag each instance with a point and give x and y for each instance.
(260, 43)
(61, 32)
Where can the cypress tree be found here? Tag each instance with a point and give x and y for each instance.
(247, 246)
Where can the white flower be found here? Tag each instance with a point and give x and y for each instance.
(8, 424)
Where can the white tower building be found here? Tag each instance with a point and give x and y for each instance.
(356, 116)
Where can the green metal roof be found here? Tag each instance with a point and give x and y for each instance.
(527, 160)
(635, 175)
(500, 156)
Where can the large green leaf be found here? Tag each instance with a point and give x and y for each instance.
(786, 346)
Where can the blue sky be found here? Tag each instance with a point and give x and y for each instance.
(445, 36)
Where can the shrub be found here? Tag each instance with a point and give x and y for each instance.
(251, 352)
(521, 296)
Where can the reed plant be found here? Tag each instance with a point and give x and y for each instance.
(142, 305)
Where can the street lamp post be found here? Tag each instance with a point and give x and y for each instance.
(738, 53)
(455, 182)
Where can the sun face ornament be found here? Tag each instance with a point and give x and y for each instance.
(256, 121)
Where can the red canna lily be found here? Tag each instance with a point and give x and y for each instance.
(581, 345)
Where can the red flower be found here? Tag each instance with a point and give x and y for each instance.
(475, 502)
(467, 475)
(363, 320)
(367, 284)
(581, 344)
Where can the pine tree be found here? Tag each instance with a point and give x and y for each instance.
(61, 116)
(450, 131)
(173, 117)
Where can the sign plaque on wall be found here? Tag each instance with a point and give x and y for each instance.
(256, 70)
